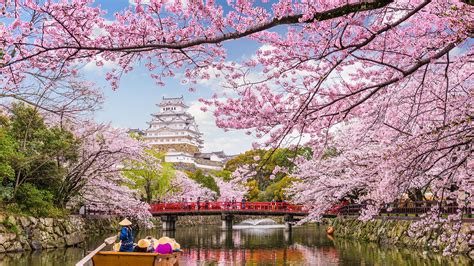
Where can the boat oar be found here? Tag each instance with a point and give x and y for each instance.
(107, 241)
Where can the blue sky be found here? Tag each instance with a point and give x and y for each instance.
(133, 103)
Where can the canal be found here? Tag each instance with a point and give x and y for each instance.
(209, 245)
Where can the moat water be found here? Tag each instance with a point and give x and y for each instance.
(260, 245)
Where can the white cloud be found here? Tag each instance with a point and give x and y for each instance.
(216, 139)
(98, 31)
(134, 2)
(93, 67)
(168, 2)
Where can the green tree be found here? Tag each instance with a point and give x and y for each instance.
(36, 202)
(33, 156)
(152, 176)
(205, 180)
(264, 162)
(253, 192)
(8, 151)
(42, 151)
(223, 174)
(276, 191)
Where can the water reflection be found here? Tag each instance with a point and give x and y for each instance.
(209, 245)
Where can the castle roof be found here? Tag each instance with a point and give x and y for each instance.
(176, 101)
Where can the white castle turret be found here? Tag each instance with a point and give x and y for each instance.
(174, 131)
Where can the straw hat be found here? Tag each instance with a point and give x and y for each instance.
(164, 248)
(143, 243)
(165, 245)
(125, 222)
(176, 246)
(164, 240)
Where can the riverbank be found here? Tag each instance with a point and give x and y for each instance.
(22, 233)
(210, 245)
(398, 233)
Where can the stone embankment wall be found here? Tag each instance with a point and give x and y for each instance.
(398, 232)
(20, 233)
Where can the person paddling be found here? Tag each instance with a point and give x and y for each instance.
(126, 236)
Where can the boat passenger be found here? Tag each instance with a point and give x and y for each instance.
(153, 243)
(142, 246)
(234, 203)
(164, 246)
(185, 203)
(175, 245)
(126, 236)
(227, 203)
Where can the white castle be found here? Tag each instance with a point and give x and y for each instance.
(174, 131)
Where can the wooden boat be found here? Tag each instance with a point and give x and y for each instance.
(112, 258)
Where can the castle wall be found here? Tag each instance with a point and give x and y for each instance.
(187, 148)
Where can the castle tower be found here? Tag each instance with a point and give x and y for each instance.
(173, 130)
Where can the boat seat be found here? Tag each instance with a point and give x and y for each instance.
(113, 258)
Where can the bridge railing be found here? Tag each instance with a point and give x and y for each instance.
(223, 206)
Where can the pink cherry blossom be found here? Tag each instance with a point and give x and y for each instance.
(387, 84)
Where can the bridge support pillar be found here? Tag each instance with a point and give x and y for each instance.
(289, 222)
(169, 222)
(227, 221)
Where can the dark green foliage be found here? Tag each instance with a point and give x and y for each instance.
(205, 180)
(41, 150)
(261, 186)
(8, 152)
(223, 174)
(36, 202)
(33, 157)
(276, 191)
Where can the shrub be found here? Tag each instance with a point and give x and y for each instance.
(36, 202)
(6, 193)
(10, 227)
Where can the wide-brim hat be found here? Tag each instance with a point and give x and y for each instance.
(125, 222)
(143, 243)
(164, 248)
(164, 240)
(175, 244)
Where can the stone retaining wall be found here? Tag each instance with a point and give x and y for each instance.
(20, 233)
(397, 232)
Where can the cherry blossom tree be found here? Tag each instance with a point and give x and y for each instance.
(96, 179)
(184, 187)
(64, 97)
(399, 72)
(230, 189)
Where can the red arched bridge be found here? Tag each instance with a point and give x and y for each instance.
(170, 211)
